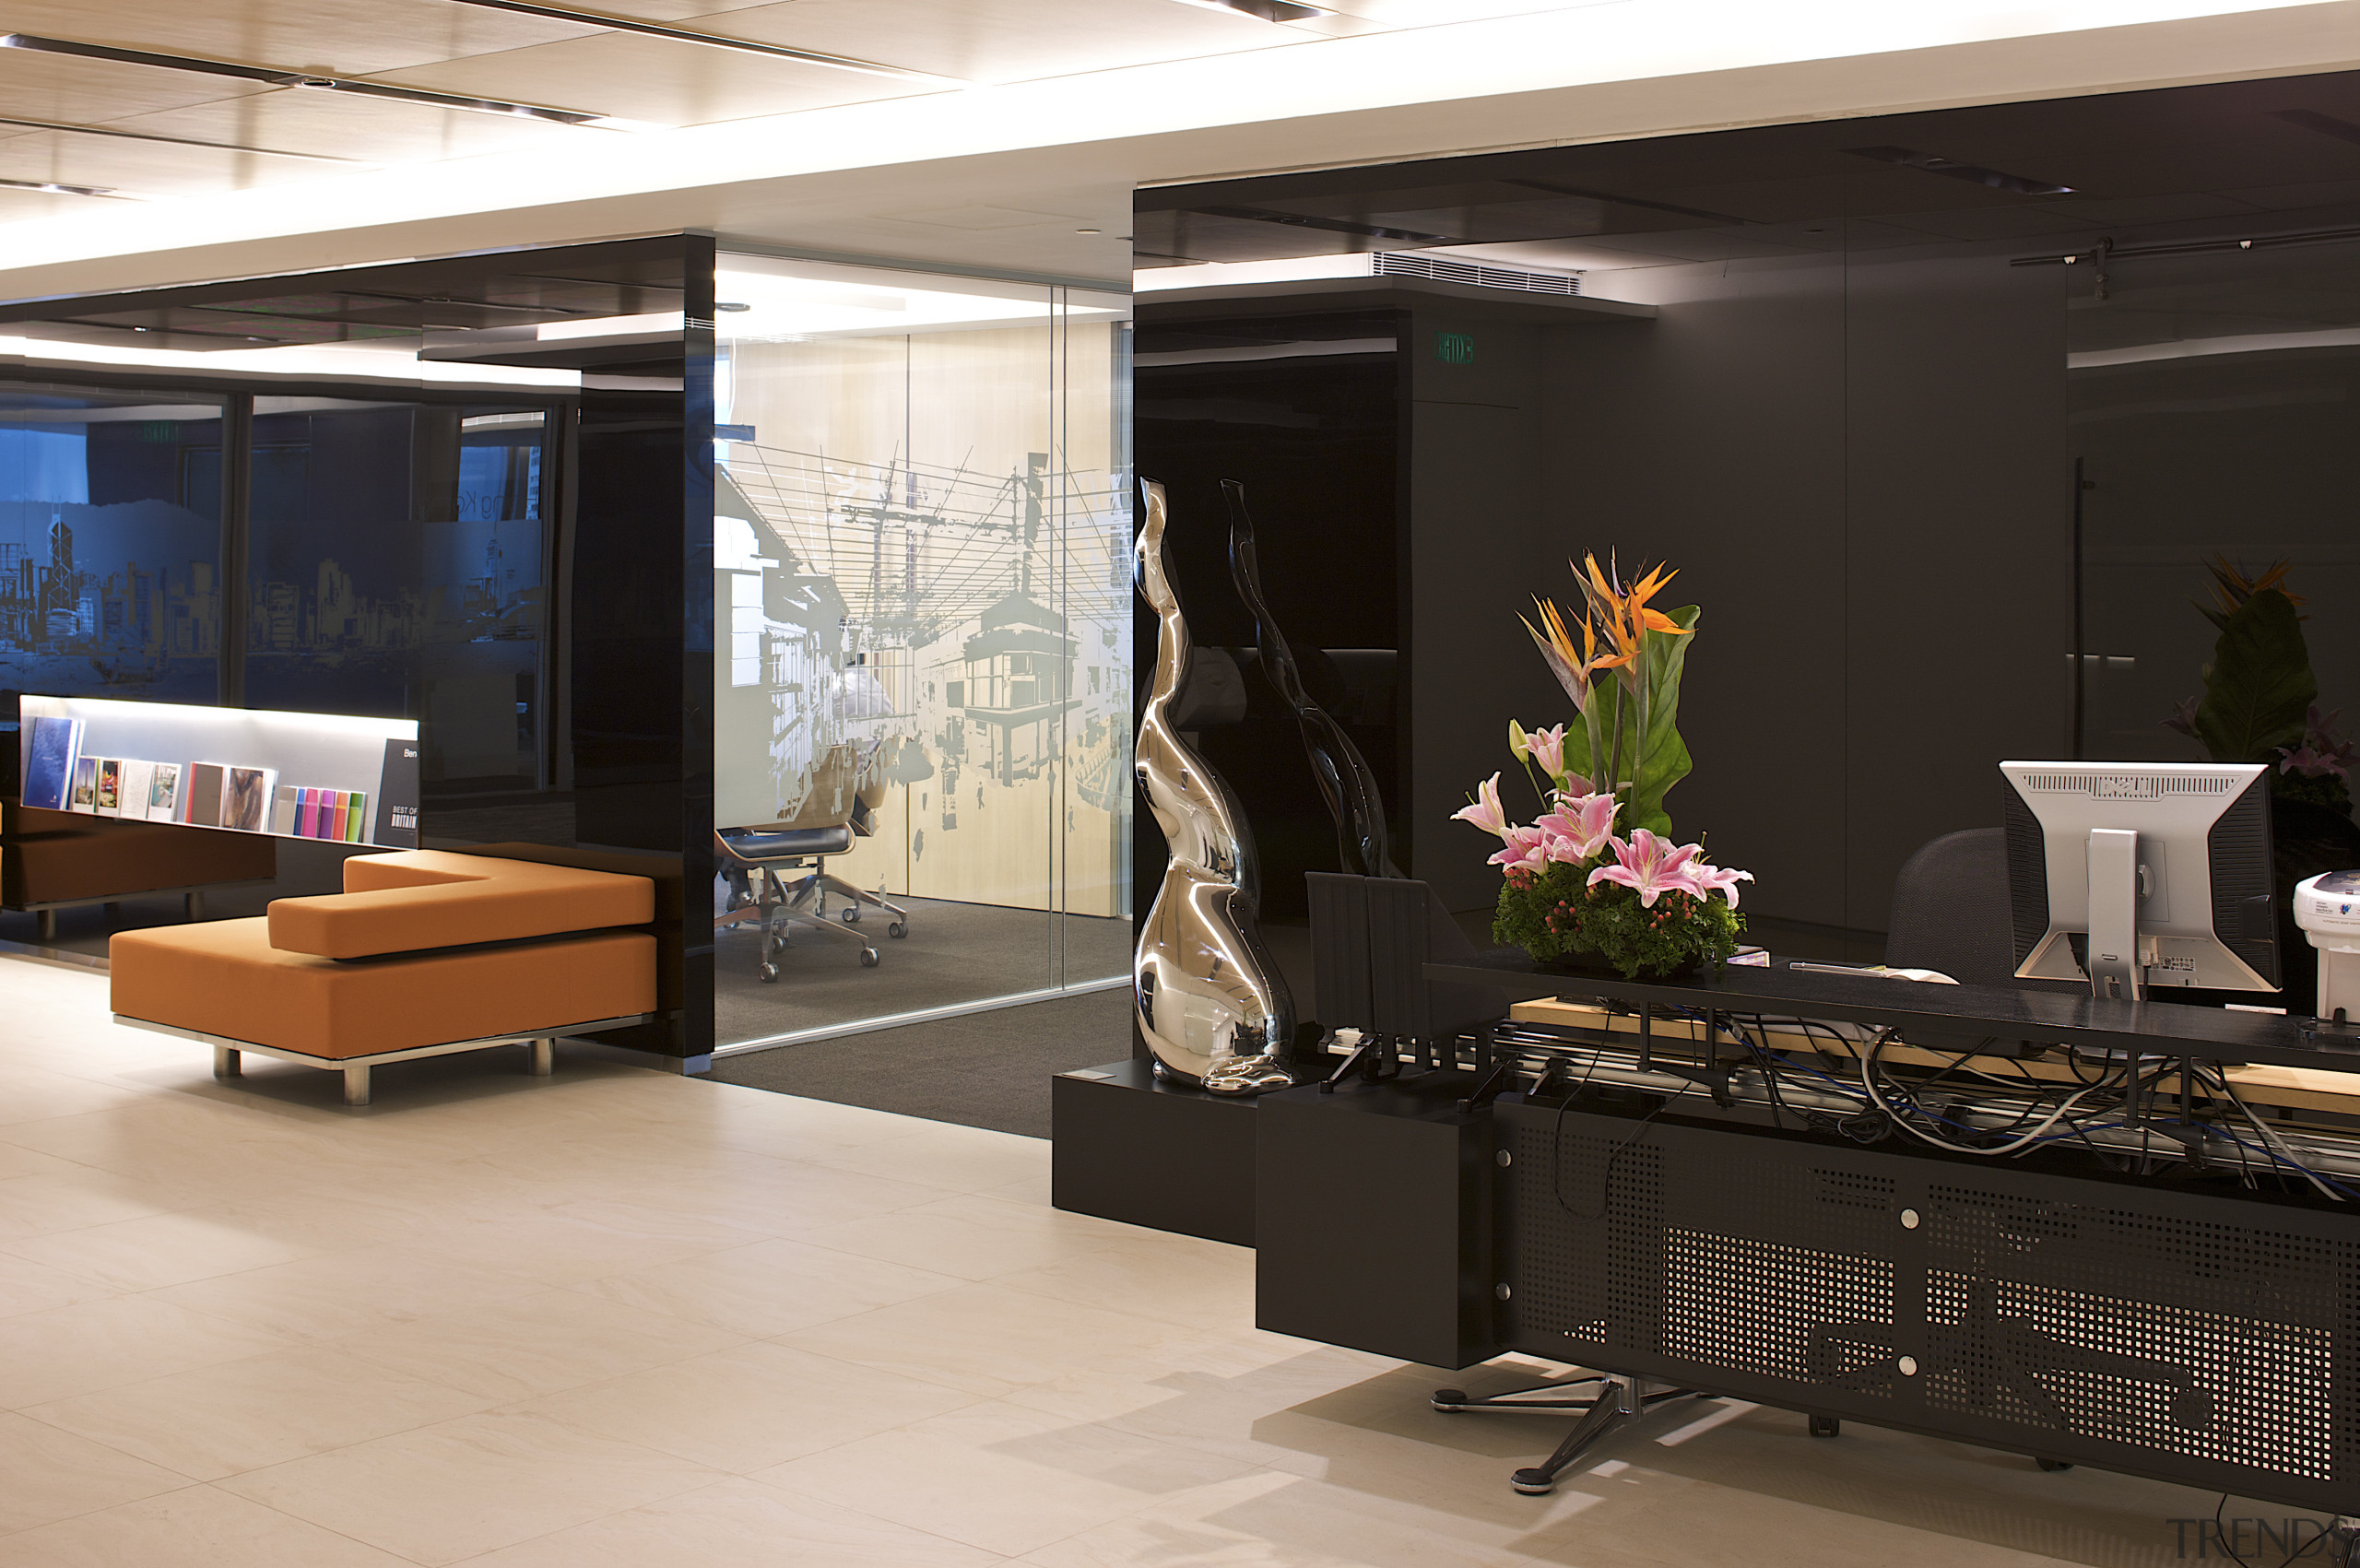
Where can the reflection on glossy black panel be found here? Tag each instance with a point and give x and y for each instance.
(626, 617)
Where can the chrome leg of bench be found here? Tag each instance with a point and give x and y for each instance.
(193, 905)
(544, 1056)
(356, 1086)
(45, 924)
(225, 1063)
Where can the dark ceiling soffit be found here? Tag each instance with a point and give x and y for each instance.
(2325, 125)
(1628, 201)
(1329, 225)
(274, 77)
(366, 279)
(705, 40)
(176, 141)
(1934, 164)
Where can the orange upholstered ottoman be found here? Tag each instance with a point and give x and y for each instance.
(423, 953)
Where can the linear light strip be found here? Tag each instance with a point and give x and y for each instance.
(922, 1015)
(705, 40)
(182, 141)
(273, 76)
(50, 188)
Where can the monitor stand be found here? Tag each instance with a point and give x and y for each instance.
(2114, 967)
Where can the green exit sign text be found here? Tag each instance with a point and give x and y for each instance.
(1455, 348)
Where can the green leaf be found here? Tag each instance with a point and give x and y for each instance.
(1667, 760)
(2260, 684)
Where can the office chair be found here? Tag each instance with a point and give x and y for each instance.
(847, 789)
(1951, 912)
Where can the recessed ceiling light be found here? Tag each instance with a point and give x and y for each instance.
(1934, 164)
(276, 78)
(1089, 231)
(1265, 10)
(732, 305)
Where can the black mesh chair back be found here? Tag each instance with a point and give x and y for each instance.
(1951, 910)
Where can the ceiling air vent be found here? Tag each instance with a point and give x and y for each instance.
(1441, 269)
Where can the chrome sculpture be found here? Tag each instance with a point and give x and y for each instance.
(1346, 782)
(1209, 1003)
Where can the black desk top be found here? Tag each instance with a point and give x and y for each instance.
(2151, 1028)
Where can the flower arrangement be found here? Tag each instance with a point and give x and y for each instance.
(1574, 888)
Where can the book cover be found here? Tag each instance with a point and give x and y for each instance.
(203, 787)
(85, 785)
(282, 810)
(357, 822)
(306, 813)
(245, 799)
(339, 813)
(396, 824)
(138, 778)
(164, 793)
(50, 752)
(109, 802)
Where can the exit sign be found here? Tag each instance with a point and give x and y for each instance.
(1455, 348)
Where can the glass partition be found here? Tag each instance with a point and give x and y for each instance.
(920, 552)
(110, 542)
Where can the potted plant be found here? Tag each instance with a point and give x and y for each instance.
(1575, 891)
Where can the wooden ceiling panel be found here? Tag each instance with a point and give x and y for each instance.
(341, 125)
(998, 40)
(61, 88)
(148, 169)
(333, 37)
(651, 80)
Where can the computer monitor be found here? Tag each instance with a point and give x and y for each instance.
(2160, 873)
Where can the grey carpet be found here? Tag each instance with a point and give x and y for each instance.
(989, 1069)
(955, 953)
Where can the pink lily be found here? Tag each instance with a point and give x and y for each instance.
(1651, 867)
(1717, 879)
(1486, 813)
(1526, 848)
(1547, 749)
(1584, 825)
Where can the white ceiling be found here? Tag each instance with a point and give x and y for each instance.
(1079, 103)
(447, 46)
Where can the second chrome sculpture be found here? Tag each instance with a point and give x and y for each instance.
(1211, 1004)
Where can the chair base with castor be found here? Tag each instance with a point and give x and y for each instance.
(753, 860)
(1618, 1400)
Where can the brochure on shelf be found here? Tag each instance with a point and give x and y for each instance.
(348, 780)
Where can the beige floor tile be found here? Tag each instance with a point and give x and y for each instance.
(35, 1096)
(218, 1420)
(535, 1345)
(43, 1206)
(59, 1352)
(444, 1494)
(974, 1237)
(30, 1286)
(585, 1240)
(334, 1294)
(754, 1406)
(986, 1340)
(789, 1198)
(1229, 1396)
(739, 1523)
(46, 1475)
(1267, 1520)
(1003, 1478)
(17, 1161)
(772, 1287)
(160, 1250)
(1199, 1283)
(937, 1154)
(200, 1527)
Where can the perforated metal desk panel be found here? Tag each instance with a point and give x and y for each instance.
(2212, 1342)
(2040, 1304)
